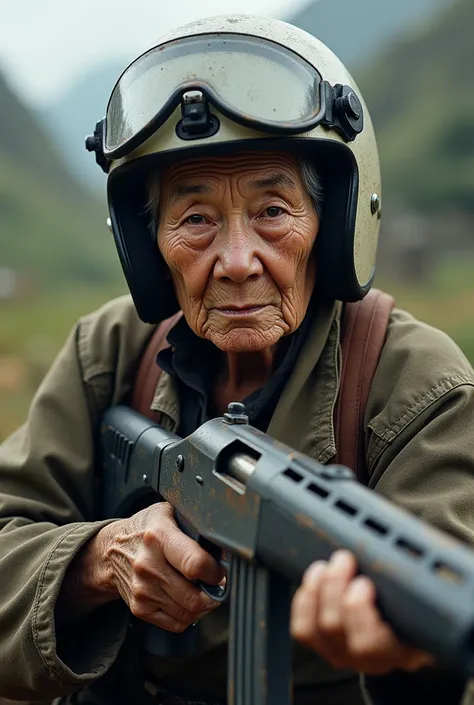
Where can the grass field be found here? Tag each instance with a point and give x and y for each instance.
(447, 302)
(31, 332)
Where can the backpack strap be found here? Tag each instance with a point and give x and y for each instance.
(363, 334)
(148, 371)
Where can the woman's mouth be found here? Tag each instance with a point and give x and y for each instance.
(240, 310)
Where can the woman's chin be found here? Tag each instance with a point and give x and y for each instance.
(245, 340)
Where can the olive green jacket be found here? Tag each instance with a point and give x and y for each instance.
(419, 451)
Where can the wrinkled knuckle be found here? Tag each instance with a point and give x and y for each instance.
(151, 535)
(140, 566)
(139, 589)
(192, 567)
(140, 593)
(138, 608)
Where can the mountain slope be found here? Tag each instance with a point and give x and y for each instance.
(356, 30)
(75, 115)
(51, 231)
(421, 97)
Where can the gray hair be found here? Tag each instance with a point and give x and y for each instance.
(310, 177)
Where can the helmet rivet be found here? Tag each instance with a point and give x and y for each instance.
(375, 203)
(353, 106)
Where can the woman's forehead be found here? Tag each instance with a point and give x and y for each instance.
(261, 169)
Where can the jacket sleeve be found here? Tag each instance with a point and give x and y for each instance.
(47, 490)
(420, 421)
(420, 450)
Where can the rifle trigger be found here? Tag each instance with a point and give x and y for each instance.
(218, 593)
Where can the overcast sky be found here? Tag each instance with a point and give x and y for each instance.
(46, 44)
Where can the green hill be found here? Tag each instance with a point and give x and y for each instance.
(51, 231)
(358, 30)
(75, 115)
(421, 96)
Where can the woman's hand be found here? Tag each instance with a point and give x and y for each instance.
(334, 613)
(149, 562)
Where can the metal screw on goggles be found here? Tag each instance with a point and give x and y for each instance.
(252, 81)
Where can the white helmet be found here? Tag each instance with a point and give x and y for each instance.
(237, 83)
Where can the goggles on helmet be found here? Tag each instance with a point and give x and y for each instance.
(253, 81)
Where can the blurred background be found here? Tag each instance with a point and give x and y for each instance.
(413, 60)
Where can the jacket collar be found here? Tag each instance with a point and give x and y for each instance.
(303, 417)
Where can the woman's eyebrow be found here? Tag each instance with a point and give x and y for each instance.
(182, 190)
(278, 179)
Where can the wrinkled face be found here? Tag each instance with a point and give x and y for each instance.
(237, 235)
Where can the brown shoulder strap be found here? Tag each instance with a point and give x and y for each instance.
(149, 372)
(363, 333)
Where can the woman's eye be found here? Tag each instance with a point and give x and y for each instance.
(273, 211)
(196, 219)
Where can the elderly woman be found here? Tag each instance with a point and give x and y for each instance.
(263, 205)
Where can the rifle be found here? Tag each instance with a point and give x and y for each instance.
(271, 511)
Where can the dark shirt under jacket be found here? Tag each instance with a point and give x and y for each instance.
(194, 362)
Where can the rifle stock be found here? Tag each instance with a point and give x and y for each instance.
(274, 511)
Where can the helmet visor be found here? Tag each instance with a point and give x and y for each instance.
(246, 77)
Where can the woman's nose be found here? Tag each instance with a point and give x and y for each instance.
(238, 257)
